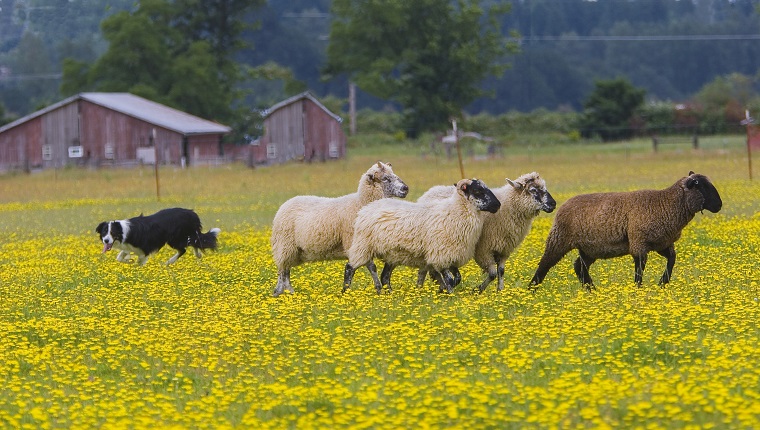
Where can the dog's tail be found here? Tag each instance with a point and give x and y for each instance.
(205, 241)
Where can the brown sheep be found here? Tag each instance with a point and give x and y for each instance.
(607, 225)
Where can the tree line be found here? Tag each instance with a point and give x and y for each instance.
(428, 60)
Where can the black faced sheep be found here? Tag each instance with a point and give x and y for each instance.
(521, 201)
(607, 225)
(439, 233)
(312, 228)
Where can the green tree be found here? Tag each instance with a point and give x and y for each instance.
(175, 52)
(3, 119)
(609, 109)
(429, 56)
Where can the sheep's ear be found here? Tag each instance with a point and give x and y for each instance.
(691, 172)
(462, 185)
(516, 185)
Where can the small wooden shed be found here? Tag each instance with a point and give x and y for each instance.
(300, 128)
(108, 129)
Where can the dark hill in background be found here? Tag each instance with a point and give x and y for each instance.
(670, 48)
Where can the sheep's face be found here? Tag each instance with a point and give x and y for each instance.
(710, 197)
(479, 194)
(533, 186)
(381, 175)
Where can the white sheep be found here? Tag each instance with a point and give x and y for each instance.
(440, 233)
(607, 225)
(521, 201)
(313, 228)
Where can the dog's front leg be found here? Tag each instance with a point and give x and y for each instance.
(180, 253)
(123, 257)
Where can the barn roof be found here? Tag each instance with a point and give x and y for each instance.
(140, 108)
(304, 95)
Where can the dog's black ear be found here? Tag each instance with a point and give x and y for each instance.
(102, 227)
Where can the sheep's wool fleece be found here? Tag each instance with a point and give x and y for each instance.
(314, 228)
(441, 233)
(505, 230)
(607, 225)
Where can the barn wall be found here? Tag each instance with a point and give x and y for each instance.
(16, 146)
(60, 132)
(114, 138)
(323, 133)
(85, 133)
(285, 132)
(300, 131)
(204, 149)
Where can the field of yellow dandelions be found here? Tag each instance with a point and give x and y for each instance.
(88, 342)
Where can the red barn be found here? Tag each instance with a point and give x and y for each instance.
(108, 129)
(300, 128)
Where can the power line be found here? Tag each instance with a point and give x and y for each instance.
(33, 76)
(686, 37)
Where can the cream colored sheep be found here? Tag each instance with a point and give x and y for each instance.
(607, 225)
(440, 233)
(521, 201)
(313, 228)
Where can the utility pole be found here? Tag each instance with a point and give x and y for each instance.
(352, 107)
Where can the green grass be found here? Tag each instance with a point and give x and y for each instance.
(89, 342)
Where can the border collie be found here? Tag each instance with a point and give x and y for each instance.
(145, 235)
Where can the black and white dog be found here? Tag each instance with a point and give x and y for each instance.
(145, 235)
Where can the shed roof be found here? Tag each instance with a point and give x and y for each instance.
(304, 95)
(140, 108)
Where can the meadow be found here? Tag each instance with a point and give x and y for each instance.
(89, 342)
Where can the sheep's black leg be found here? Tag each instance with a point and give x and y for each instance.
(500, 272)
(348, 276)
(421, 275)
(438, 278)
(670, 254)
(491, 274)
(448, 280)
(640, 262)
(457, 275)
(385, 277)
(283, 283)
(581, 266)
(550, 258)
(373, 271)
